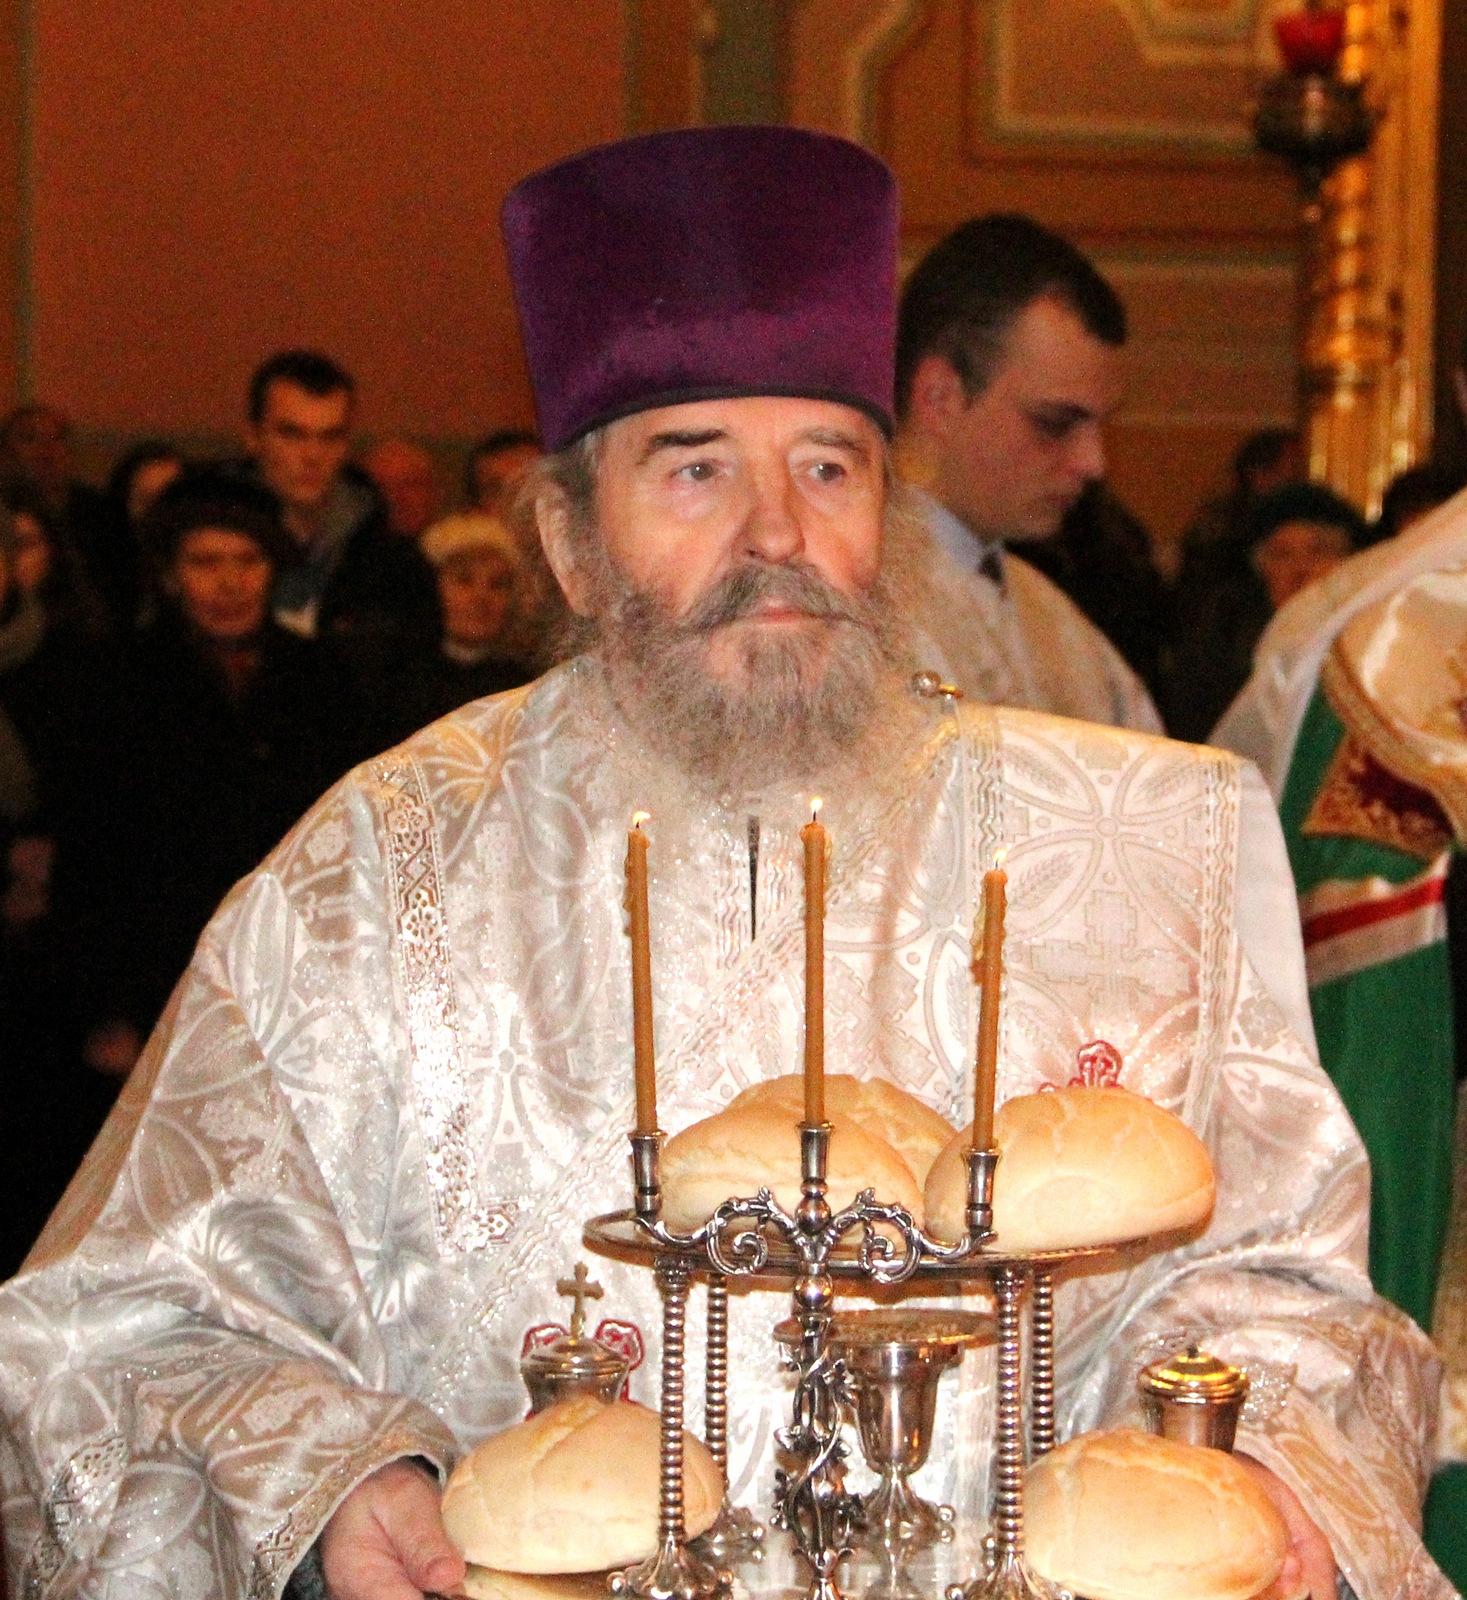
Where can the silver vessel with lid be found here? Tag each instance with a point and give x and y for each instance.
(1194, 1397)
(574, 1363)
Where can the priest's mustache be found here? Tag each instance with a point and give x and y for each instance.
(799, 587)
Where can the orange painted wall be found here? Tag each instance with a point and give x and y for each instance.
(216, 181)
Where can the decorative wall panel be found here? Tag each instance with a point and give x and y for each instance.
(1137, 71)
(1121, 123)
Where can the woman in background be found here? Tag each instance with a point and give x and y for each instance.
(1288, 538)
(481, 594)
(225, 729)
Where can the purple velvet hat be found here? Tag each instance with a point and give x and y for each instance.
(704, 263)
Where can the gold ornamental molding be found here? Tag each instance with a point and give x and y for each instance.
(1369, 268)
(868, 54)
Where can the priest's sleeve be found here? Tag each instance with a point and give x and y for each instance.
(1344, 1385)
(193, 1365)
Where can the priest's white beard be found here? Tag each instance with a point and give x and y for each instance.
(798, 703)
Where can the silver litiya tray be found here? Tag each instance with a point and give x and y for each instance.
(618, 1236)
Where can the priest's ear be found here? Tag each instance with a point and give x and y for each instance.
(553, 519)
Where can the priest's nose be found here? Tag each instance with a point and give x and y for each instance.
(772, 530)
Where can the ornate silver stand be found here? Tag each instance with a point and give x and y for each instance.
(811, 1499)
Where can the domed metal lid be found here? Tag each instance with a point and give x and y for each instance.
(1191, 1374)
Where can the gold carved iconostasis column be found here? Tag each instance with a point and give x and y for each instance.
(1369, 309)
(1125, 125)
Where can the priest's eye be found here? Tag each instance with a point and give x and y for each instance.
(698, 471)
(828, 471)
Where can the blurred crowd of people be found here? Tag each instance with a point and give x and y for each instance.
(1190, 633)
(191, 655)
(189, 658)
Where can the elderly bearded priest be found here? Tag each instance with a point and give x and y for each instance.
(297, 1268)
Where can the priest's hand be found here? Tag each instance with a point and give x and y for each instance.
(1310, 1563)
(386, 1540)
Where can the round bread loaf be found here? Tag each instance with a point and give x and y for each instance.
(572, 1489)
(1129, 1516)
(910, 1126)
(1079, 1167)
(756, 1146)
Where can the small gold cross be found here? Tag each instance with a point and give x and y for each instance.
(580, 1288)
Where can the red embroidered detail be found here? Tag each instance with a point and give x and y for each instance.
(1099, 1064)
(538, 1338)
(625, 1338)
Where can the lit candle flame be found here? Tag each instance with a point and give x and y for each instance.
(815, 806)
(639, 817)
(999, 857)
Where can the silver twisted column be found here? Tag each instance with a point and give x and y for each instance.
(1009, 1577)
(674, 1572)
(735, 1535)
(1041, 1378)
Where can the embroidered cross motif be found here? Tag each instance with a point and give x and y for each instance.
(1108, 962)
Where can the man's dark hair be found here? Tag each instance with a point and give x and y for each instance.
(306, 369)
(966, 294)
(1301, 502)
(1262, 452)
(491, 445)
(216, 495)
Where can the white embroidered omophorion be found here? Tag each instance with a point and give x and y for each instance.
(396, 1081)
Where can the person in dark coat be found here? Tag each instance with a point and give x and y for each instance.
(483, 596)
(227, 728)
(350, 579)
(1101, 557)
(50, 1106)
(1288, 539)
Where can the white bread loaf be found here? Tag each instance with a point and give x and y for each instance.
(572, 1489)
(1129, 1516)
(756, 1145)
(1078, 1167)
(909, 1125)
